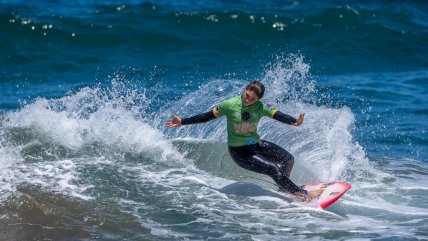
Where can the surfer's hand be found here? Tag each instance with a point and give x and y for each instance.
(299, 120)
(174, 122)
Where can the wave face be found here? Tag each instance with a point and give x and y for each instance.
(100, 161)
(86, 88)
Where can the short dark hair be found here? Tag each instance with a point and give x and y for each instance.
(257, 88)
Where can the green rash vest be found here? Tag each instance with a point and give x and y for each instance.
(242, 120)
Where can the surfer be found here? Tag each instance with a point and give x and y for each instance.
(243, 114)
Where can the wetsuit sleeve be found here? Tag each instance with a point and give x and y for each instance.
(200, 118)
(284, 118)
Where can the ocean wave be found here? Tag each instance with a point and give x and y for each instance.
(107, 148)
(170, 24)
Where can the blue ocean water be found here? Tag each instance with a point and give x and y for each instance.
(87, 86)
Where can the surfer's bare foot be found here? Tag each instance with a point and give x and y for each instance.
(310, 195)
(314, 194)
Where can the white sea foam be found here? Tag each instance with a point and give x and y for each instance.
(8, 158)
(70, 123)
(191, 193)
(91, 116)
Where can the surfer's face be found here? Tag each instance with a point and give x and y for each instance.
(249, 98)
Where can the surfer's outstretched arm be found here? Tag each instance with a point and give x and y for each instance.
(287, 119)
(200, 118)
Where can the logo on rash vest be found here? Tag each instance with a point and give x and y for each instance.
(218, 107)
(245, 127)
(251, 141)
(245, 116)
(268, 106)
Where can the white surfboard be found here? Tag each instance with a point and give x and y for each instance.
(332, 192)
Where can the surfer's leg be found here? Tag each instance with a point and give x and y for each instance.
(276, 154)
(246, 158)
(241, 155)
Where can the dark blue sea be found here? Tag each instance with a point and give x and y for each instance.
(87, 87)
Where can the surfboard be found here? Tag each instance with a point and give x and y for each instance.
(332, 192)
